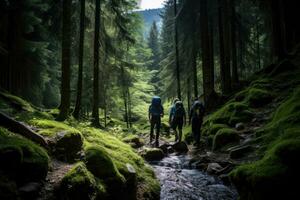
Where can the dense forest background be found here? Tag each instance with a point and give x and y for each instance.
(77, 79)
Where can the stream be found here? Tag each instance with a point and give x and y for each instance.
(181, 181)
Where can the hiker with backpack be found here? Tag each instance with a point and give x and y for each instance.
(196, 118)
(156, 112)
(177, 118)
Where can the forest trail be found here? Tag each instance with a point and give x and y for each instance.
(56, 173)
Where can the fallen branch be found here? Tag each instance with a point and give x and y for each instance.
(18, 127)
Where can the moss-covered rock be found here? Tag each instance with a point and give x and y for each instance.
(102, 166)
(273, 177)
(80, 184)
(68, 145)
(180, 147)
(28, 161)
(212, 129)
(258, 97)
(152, 154)
(230, 114)
(134, 141)
(224, 137)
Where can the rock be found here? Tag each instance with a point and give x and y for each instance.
(180, 147)
(213, 168)
(152, 154)
(68, 145)
(30, 190)
(224, 137)
(134, 141)
(10, 158)
(164, 148)
(131, 182)
(240, 126)
(240, 151)
(225, 178)
(79, 184)
(102, 166)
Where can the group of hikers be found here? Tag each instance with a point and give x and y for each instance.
(177, 119)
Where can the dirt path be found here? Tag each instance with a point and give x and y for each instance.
(57, 171)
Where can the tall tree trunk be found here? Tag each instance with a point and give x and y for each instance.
(258, 44)
(129, 107)
(224, 33)
(66, 61)
(80, 61)
(95, 114)
(194, 67)
(124, 91)
(189, 93)
(207, 68)
(176, 51)
(235, 77)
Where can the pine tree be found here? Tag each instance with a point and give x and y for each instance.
(80, 61)
(66, 61)
(154, 46)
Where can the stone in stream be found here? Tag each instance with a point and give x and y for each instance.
(214, 168)
(180, 147)
(152, 154)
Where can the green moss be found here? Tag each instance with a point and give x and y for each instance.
(79, 184)
(17, 102)
(224, 137)
(213, 129)
(51, 127)
(258, 97)
(134, 141)
(273, 177)
(151, 154)
(229, 114)
(31, 161)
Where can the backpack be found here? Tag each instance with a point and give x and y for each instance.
(179, 110)
(156, 107)
(198, 109)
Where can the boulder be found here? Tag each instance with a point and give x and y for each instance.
(80, 184)
(134, 141)
(102, 166)
(225, 137)
(68, 145)
(180, 147)
(152, 154)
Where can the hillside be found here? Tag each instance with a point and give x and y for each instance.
(150, 16)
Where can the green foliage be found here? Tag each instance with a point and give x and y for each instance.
(79, 183)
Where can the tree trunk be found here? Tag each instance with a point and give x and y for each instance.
(207, 68)
(17, 127)
(224, 47)
(258, 45)
(235, 77)
(176, 51)
(95, 114)
(124, 91)
(194, 66)
(80, 61)
(66, 61)
(189, 94)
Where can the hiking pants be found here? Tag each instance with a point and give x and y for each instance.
(196, 128)
(155, 123)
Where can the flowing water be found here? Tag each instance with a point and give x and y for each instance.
(179, 180)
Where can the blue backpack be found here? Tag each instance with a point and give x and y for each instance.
(156, 107)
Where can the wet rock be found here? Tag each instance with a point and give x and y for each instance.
(240, 151)
(180, 147)
(214, 168)
(30, 190)
(152, 154)
(68, 145)
(240, 126)
(164, 148)
(225, 178)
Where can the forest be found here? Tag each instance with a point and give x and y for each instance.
(195, 100)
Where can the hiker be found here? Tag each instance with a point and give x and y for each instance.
(196, 118)
(156, 111)
(177, 118)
